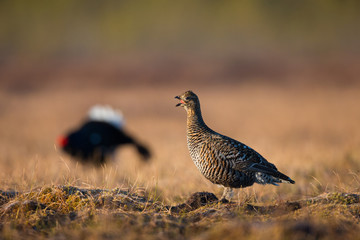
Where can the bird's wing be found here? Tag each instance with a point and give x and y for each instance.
(242, 157)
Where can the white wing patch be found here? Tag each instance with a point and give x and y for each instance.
(105, 113)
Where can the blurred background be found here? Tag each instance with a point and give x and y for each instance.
(150, 42)
(281, 76)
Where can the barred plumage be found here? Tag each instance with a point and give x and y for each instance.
(221, 159)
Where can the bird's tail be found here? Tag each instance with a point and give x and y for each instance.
(263, 173)
(263, 178)
(105, 113)
(143, 151)
(283, 178)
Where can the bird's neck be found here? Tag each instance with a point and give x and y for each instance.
(195, 122)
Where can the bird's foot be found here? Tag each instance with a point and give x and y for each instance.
(227, 195)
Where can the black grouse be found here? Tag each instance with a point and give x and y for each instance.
(221, 159)
(97, 139)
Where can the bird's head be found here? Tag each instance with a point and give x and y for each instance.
(188, 100)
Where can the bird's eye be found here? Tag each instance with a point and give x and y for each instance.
(187, 98)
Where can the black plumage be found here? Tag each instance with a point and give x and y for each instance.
(96, 140)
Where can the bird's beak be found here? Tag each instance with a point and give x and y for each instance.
(179, 104)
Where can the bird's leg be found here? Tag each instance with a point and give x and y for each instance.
(227, 195)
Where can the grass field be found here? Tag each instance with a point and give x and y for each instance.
(311, 134)
(282, 78)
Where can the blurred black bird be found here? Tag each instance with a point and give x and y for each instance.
(98, 138)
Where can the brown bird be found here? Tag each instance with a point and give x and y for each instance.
(221, 159)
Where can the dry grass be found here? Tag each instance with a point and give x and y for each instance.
(312, 135)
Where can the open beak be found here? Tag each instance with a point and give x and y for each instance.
(181, 101)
